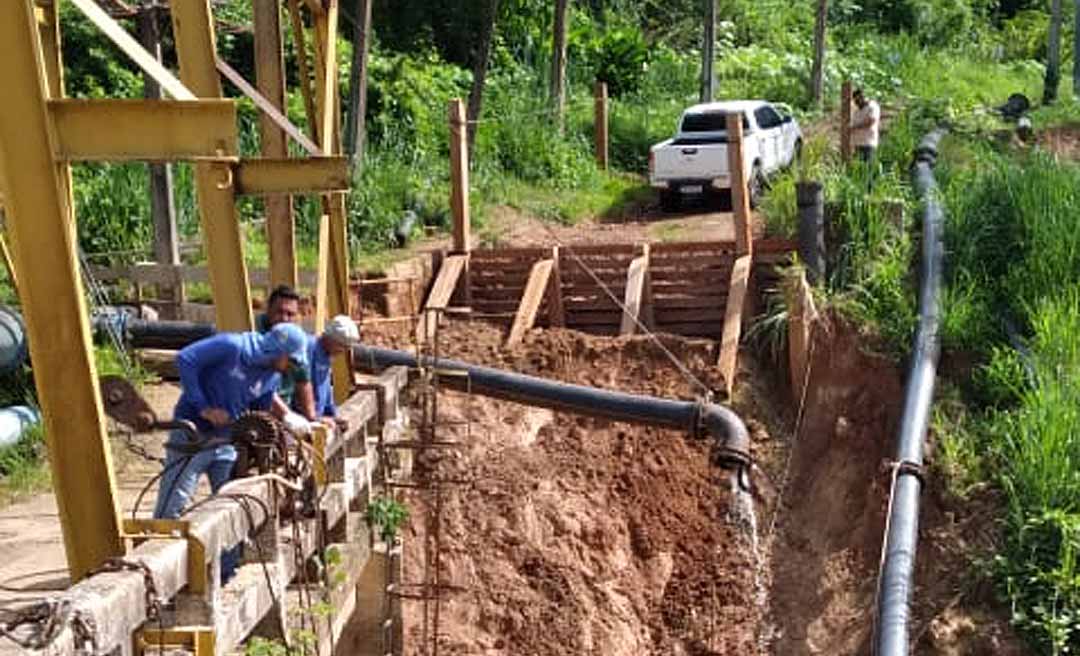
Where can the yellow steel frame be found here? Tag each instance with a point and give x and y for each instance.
(41, 132)
(141, 530)
(196, 640)
(152, 129)
(258, 177)
(193, 31)
(39, 219)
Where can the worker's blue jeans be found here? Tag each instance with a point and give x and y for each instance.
(181, 478)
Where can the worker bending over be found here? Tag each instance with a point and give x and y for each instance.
(340, 334)
(222, 377)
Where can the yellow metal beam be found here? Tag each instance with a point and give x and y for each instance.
(259, 177)
(196, 640)
(334, 253)
(38, 216)
(193, 32)
(133, 49)
(155, 130)
(270, 79)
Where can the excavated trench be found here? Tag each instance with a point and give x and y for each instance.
(571, 535)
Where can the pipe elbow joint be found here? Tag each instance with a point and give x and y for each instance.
(731, 439)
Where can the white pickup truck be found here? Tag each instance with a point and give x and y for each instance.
(695, 161)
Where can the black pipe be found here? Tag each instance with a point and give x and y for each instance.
(731, 441)
(895, 582)
(810, 199)
(140, 333)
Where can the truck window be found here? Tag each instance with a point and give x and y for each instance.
(768, 118)
(709, 122)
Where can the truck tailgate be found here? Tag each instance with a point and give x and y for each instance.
(691, 161)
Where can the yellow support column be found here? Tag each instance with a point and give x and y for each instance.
(38, 217)
(335, 257)
(193, 31)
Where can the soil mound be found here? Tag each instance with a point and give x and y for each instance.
(582, 536)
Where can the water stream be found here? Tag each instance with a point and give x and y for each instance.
(743, 516)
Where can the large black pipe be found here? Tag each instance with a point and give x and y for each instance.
(731, 441)
(895, 582)
(140, 333)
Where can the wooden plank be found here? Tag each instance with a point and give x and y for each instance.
(530, 302)
(703, 302)
(635, 289)
(574, 318)
(481, 294)
(272, 177)
(729, 346)
(584, 251)
(740, 196)
(497, 307)
(508, 254)
(130, 47)
(679, 247)
(441, 292)
(690, 315)
(692, 329)
(39, 221)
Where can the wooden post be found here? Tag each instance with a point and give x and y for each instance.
(270, 80)
(39, 219)
(733, 315)
(300, 43)
(601, 124)
(459, 176)
(817, 71)
(193, 31)
(162, 208)
(801, 317)
(740, 197)
(845, 122)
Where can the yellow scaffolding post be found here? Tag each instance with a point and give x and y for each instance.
(193, 30)
(334, 251)
(39, 219)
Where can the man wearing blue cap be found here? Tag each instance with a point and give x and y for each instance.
(222, 377)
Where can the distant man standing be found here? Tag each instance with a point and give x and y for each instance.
(865, 126)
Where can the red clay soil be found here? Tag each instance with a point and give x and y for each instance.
(582, 536)
(579, 536)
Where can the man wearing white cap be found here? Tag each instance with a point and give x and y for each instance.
(339, 335)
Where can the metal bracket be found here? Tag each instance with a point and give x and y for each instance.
(141, 530)
(198, 640)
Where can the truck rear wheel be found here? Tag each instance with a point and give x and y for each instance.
(670, 200)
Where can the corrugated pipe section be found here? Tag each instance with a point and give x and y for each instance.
(895, 580)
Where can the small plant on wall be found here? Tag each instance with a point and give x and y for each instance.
(387, 515)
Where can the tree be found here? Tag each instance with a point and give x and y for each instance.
(1053, 55)
(1076, 50)
(817, 74)
(558, 62)
(708, 53)
(480, 68)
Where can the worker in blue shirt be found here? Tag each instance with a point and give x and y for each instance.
(222, 377)
(339, 335)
